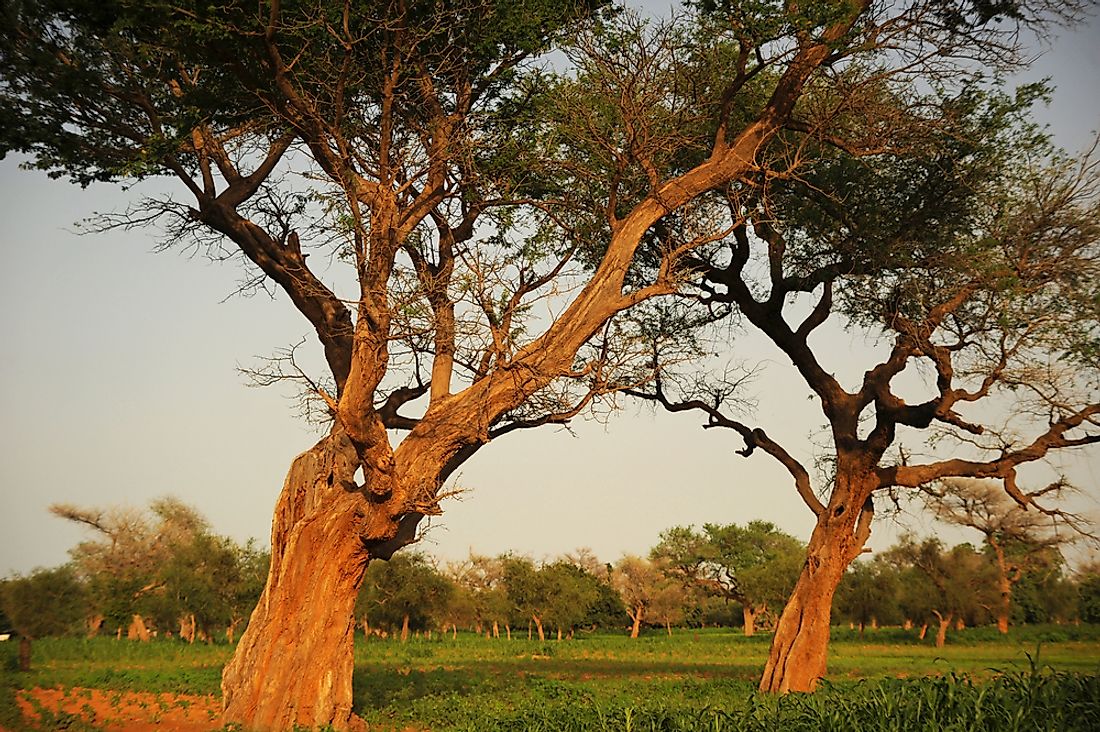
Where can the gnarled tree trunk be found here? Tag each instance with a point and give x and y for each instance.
(800, 645)
(293, 665)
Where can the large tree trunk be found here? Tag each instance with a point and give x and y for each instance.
(293, 665)
(538, 625)
(800, 644)
(801, 641)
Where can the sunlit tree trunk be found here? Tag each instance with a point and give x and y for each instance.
(636, 617)
(797, 659)
(944, 623)
(293, 665)
(538, 626)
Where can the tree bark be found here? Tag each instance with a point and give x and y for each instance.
(749, 615)
(405, 628)
(538, 626)
(293, 665)
(941, 633)
(800, 645)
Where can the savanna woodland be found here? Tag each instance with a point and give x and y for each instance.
(545, 206)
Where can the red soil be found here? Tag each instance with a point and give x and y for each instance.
(125, 711)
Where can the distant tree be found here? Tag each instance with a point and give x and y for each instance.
(1044, 594)
(754, 566)
(868, 594)
(1022, 536)
(1088, 593)
(123, 563)
(571, 592)
(164, 566)
(959, 583)
(638, 581)
(405, 592)
(528, 596)
(47, 602)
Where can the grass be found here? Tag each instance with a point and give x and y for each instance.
(1034, 678)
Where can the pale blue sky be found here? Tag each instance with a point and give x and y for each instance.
(118, 384)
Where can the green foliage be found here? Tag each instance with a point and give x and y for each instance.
(404, 588)
(756, 564)
(1088, 603)
(46, 602)
(868, 592)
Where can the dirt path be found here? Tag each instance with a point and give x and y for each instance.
(123, 711)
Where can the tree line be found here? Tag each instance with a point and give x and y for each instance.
(161, 571)
(165, 572)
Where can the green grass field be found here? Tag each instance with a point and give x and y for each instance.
(1035, 678)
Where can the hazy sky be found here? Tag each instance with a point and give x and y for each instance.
(119, 384)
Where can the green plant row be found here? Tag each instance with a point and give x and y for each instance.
(1018, 701)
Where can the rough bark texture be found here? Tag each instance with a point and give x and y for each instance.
(293, 666)
(797, 659)
(799, 648)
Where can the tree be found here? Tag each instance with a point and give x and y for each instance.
(753, 566)
(941, 223)
(868, 593)
(638, 582)
(570, 593)
(1021, 539)
(405, 592)
(958, 583)
(47, 602)
(127, 566)
(481, 578)
(459, 186)
(1088, 594)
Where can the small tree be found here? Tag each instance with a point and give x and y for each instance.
(1088, 593)
(868, 594)
(959, 582)
(47, 602)
(638, 582)
(753, 566)
(406, 592)
(1021, 536)
(571, 592)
